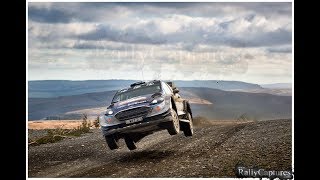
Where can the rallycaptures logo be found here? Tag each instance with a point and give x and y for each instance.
(244, 172)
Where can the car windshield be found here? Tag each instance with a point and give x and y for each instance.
(135, 92)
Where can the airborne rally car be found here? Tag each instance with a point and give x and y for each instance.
(143, 108)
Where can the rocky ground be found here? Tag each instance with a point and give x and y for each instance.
(213, 151)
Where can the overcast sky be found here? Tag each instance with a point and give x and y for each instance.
(248, 42)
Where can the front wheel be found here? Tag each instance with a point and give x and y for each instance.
(130, 143)
(112, 143)
(188, 127)
(173, 126)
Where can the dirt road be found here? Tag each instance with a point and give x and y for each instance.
(213, 151)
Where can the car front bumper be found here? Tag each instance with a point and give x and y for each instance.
(147, 124)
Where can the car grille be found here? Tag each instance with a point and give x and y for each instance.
(132, 113)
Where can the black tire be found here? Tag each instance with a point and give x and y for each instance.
(188, 127)
(130, 143)
(112, 143)
(174, 125)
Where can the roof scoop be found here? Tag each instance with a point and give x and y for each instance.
(137, 83)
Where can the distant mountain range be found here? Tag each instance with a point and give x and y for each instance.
(55, 88)
(225, 104)
(40, 108)
(277, 86)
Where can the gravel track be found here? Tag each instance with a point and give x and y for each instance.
(213, 151)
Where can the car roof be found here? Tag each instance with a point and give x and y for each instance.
(145, 83)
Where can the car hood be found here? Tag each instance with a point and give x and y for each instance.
(132, 103)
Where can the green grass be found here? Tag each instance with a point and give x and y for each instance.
(55, 135)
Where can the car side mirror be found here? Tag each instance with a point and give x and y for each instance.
(176, 90)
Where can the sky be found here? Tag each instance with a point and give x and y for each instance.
(250, 42)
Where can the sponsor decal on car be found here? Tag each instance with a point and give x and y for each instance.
(139, 99)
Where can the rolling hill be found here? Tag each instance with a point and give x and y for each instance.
(55, 88)
(218, 104)
(277, 86)
(231, 104)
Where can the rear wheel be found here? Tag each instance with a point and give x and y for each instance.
(188, 127)
(130, 143)
(112, 143)
(173, 126)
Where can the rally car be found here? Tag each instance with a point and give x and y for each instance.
(144, 108)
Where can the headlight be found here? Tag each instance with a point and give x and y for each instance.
(159, 107)
(156, 101)
(102, 121)
(109, 112)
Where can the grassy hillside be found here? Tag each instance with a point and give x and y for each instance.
(231, 105)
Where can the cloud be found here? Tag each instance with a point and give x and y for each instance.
(280, 49)
(239, 32)
(248, 28)
(66, 12)
(130, 35)
(49, 15)
(201, 40)
(97, 11)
